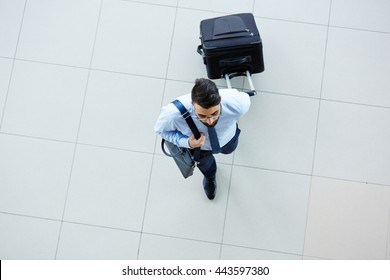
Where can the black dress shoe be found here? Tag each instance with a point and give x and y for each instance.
(210, 187)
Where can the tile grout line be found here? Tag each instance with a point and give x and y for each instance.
(226, 208)
(149, 233)
(190, 82)
(161, 155)
(359, 29)
(13, 65)
(307, 174)
(75, 142)
(316, 133)
(78, 130)
(149, 4)
(29, 216)
(156, 137)
(67, 221)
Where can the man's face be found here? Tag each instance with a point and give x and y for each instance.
(208, 117)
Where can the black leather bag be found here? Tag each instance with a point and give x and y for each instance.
(184, 159)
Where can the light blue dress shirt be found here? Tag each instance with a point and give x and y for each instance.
(172, 127)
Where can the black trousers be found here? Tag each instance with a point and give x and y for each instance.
(207, 164)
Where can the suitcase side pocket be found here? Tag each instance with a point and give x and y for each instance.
(230, 27)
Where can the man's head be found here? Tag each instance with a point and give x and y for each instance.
(205, 93)
(206, 101)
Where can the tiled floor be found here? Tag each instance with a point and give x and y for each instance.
(81, 172)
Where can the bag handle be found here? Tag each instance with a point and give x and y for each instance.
(179, 152)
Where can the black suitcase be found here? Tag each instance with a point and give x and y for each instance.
(231, 44)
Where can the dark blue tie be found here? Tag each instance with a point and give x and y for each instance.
(214, 140)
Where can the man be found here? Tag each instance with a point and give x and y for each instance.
(213, 111)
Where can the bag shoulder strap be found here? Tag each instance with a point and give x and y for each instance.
(186, 115)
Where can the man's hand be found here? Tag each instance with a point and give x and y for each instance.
(196, 143)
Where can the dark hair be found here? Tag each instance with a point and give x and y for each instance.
(205, 93)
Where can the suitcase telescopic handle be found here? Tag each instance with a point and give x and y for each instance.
(251, 92)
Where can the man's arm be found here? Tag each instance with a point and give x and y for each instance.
(167, 129)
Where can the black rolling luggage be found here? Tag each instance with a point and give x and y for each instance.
(231, 44)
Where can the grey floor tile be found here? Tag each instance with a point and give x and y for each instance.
(5, 74)
(301, 10)
(120, 111)
(178, 207)
(363, 72)
(169, 248)
(267, 210)
(349, 13)
(82, 242)
(241, 253)
(343, 223)
(45, 101)
(352, 143)
(278, 133)
(134, 38)
(11, 14)
(59, 31)
(172, 3)
(108, 188)
(293, 57)
(34, 176)
(230, 7)
(21, 238)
